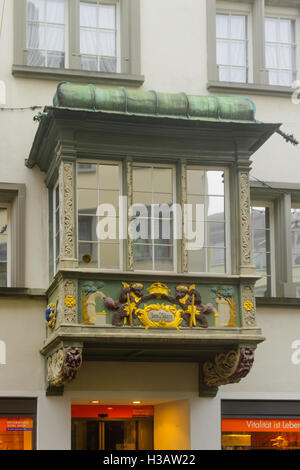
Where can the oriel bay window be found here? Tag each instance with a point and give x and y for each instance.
(158, 220)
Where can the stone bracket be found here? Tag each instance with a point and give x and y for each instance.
(62, 367)
(225, 368)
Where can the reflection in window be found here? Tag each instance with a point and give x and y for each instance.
(280, 50)
(96, 185)
(295, 227)
(3, 246)
(206, 194)
(232, 48)
(45, 33)
(154, 247)
(261, 249)
(98, 36)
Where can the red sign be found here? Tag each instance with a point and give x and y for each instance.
(261, 425)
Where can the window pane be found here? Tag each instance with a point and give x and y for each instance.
(107, 16)
(88, 14)
(286, 57)
(163, 258)
(222, 26)
(110, 197)
(89, 63)
(215, 183)
(271, 29)
(197, 261)
(36, 10)
(238, 27)
(286, 31)
(87, 226)
(3, 274)
(109, 177)
(142, 178)
(142, 198)
(56, 60)
(107, 43)
(215, 208)
(271, 56)
(215, 260)
(224, 74)
(55, 11)
(238, 53)
(109, 256)
(195, 181)
(88, 254)
(108, 65)
(55, 38)
(238, 74)
(87, 201)
(36, 58)
(36, 36)
(216, 234)
(223, 52)
(163, 199)
(198, 207)
(88, 41)
(285, 78)
(258, 217)
(143, 256)
(87, 176)
(162, 180)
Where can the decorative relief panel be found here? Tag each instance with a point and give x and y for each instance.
(156, 305)
(248, 305)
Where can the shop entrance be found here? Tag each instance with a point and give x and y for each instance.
(126, 434)
(112, 428)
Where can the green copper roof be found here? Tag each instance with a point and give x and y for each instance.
(153, 104)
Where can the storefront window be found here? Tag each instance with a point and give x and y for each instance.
(264, 434)
(16, 433)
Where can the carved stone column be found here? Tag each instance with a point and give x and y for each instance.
(245, 239)
(67, 305)
(67, 201)
(129, 183)
(184, 256)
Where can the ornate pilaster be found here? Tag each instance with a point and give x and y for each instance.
(184, 257)
(245, 240)
(67, 196)
(68, 308)
(129, 182)
(63, 366)
(225, 368)
(247, 306)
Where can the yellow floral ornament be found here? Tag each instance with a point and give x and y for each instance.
(248, 306)
(70, 301)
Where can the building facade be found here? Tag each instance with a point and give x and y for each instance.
(149, 235)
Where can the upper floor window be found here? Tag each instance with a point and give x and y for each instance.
(52, 36)
(280, 50)
(45, 33)
(98, 36)
(232, 59)
(4, 246)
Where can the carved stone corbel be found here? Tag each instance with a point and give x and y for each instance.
(225, 368)
(62, 366)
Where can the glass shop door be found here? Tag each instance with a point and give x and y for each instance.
(114, 434)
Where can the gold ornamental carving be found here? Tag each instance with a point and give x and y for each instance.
(175, 318)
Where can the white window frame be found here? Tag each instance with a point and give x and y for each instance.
(233, 8)
(270, 206)
(121, 249)
(175, 243)
(227, 217)
(8, 262)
